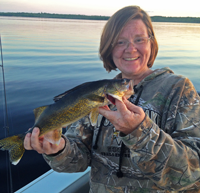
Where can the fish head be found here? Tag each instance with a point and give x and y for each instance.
(117, 88)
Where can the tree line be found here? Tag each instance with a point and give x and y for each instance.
(54, 15)
(176, 19)
(97, 17)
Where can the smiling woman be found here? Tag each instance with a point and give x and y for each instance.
(135, 59)
(137, 140)
(132, 60)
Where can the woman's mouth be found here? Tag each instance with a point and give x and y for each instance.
(131, 59)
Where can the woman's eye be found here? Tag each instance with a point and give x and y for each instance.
(139, 40)
(121, 43)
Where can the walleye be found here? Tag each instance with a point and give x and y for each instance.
(69, 107)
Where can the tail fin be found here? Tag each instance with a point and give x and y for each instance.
(15, 146)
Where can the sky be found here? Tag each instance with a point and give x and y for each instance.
(177, 8)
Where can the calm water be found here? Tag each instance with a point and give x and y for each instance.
(45, 57)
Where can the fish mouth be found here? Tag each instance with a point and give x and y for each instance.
(112, 98)
(127, 93)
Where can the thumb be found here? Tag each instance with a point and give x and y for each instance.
(106, 112)
(105, 107)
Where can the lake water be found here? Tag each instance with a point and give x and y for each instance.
(45, 57)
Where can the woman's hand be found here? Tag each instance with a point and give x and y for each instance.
(127, 117)
(42, 146)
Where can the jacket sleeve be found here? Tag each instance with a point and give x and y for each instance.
(75, 157)
(170, 156)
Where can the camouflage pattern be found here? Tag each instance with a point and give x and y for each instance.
(161, 155)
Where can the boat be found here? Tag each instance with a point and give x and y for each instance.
(54, 182)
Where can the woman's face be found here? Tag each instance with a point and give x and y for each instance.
(132, 59)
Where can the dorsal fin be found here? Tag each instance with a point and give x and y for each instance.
(57, 98)
(38, 111)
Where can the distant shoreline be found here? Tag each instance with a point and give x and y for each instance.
(96, 17)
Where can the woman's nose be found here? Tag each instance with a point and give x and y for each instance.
(131, 46)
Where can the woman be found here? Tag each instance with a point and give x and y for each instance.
(149, 143)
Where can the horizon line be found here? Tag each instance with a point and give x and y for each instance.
(93, 15)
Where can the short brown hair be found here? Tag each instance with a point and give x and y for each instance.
(113, 28)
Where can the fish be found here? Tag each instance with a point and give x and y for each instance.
(69, 107)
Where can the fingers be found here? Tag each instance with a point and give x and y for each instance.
(120, 106)
(111, 115)
(36, 144)
(106, 112)
(127, 117)
(49, 148)
(105, 107)
(27, 142)
(32, 141)
(131, 107)
(136, 111)
(39, 144)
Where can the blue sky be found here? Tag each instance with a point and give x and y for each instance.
(102, 7)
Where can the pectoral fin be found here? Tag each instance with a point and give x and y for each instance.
(54, 136)
(94, 116)
(38, 111)
(96, 98)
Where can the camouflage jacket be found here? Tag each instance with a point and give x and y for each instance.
(161, 155)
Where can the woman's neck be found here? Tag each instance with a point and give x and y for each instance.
(140, 77)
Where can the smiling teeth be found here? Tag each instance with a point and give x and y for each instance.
(130, 59)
